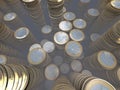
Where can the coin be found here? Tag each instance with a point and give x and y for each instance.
(3, 59)
(65, 25)
(76, 66)
(36, 45)
(69, 16)
(10, 16)
(46, 29)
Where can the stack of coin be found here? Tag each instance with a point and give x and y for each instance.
(12, 19)
(109, 40)
(117, 54)
(4, 49)
(114, 76)
(111, 11)
(73, 49)
(38, 57)
(55, 8)
(62, 83)
(16, 6)
(18, 77)
(35, 10)
(24, 37)
(86, 82)
(100, 61)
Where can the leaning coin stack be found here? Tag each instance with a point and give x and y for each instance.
(111, 11)
(114, 76)
(62, 83)
(12, 19)
(86, 82)
(24, 37)
(18, 77)
(100, 61)
(109, 40)
(35, 10)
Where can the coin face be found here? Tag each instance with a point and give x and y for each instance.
(49, 47)
(10, 16)
(65, 25)
(51, 72)
(98, 84)
(21, 33)
(76, 66)
(36, 56)
(36, 45)
(93, 12)
(94, 36)
(3, 59)
(115, 4)
(46, 29)
(77, 35)
(107, 60)
(69, 16)
(61, 38)
(73, 49)
(79, 23)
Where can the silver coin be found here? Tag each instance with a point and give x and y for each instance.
(65, 68)
(86, 72)
(69, 16)
(61, 38)
(46, 29)
(49, 46)
(79, 23)
(3, 59)
(36, 56)
(28, 0)
(43, 42)
(94, 36)
(115, 4)
(84, 1)
(10, 16)
(51, 72)
(107, 60)
(74, 49)
(77, 35)
(76, 66)
(93, 12)
(21, 33)
(65, 25)
(36, 45)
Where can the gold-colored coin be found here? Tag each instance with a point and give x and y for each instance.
(10, 76)
(4, 77)
(16, 76)
(1, 79)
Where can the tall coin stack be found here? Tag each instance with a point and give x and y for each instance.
(56, 11)
(110, 40)
(35, 10)
(114, 76)
(62, 83)
(18, 77)
(86, 82)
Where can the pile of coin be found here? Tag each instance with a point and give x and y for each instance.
(100, 61)
(87, 82)
(109, 40)
(18, 77)
(55, 8)
(35, 10)
(62, 83)
(114, 76)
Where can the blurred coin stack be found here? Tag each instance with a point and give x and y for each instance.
(56, 10)
(18, 77)
(86, 82)
(109, 40)
(62, 83)
(34, 9)
(12, 19)
(114, 76)
(99, 62)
